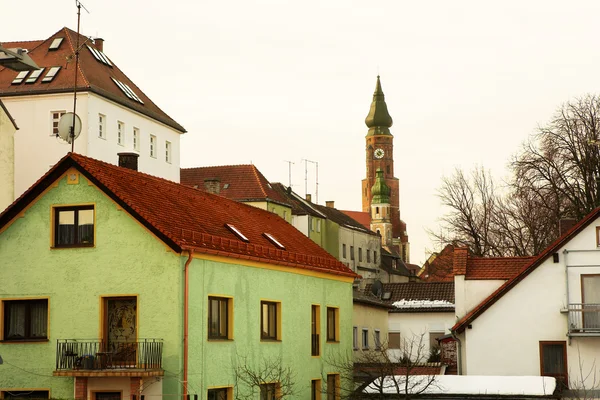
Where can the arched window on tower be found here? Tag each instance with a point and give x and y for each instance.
(376, 210)
(378, 232)
(388, 169)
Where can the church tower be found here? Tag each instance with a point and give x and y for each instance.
(380, 156)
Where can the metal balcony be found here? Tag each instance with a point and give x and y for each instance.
(85, 357)
(584, 319)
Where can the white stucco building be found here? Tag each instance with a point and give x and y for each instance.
(546, 319)
(116, 115)
(8, 127)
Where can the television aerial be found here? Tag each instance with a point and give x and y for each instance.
(69, 127)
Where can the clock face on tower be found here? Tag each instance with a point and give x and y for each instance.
(378, 153)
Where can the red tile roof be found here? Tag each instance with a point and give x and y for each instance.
(439, 268)
(498, 268)
(462, 324)
(92, 75)
(363, 217)
(237, 182)
(189, 219)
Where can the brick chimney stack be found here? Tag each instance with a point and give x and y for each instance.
(128, 160)
(308, 197)
(99, 44)
(329, 204)
(212, 185)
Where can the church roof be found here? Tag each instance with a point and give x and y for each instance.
(379, 120)
(97, 73)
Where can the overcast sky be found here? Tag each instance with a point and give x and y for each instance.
(263, 82)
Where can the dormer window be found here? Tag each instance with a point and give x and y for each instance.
(274, 241)
(99, 56)
(20, 77)
(51, 74)
(55, 44)
(127, 90)
(34, 75)
(237, 232)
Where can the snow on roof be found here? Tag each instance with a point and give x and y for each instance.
(469, 384)
(405, 303)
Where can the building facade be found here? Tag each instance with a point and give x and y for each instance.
(8, 128)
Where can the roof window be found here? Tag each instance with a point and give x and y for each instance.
(55, 44)
(51, 74)
(237, 233)
(20, 77)
(274, 241)
(99, 56)
(225, 186)
(127, 90)
(35, 75)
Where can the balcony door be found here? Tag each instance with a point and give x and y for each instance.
(120, 333)
(590, 297)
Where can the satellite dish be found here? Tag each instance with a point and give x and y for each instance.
(377, 288)
(64, 127)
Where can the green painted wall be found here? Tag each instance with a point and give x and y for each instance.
(248, 285)
(331, 238)
(274, 208)
(313, 233)
(126, 260)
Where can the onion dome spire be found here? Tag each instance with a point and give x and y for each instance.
(380, 191)
(378, 120)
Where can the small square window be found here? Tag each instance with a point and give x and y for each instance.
(333, 324)
(152, 146)
(74, 226)
(120, 133)
(102, 126)
(136, 139)
(25, 319)
(394, 340)
(55, 115)
(220, 313)
(168, 152)
(270, 320)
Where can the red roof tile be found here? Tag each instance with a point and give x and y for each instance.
(440, 267)
(363, 217)
(189, 219)
(535, 262)
(237, 182)
(92, 76)
(499, 268)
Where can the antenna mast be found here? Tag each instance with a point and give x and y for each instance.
(306, 178)
(290, 170)
(72, 133)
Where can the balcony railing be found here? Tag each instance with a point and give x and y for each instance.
(143, 354)
(584, 319)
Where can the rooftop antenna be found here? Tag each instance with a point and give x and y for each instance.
(306, 178)
(72, 132)
(290, 170)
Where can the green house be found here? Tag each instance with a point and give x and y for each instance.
(117, 284)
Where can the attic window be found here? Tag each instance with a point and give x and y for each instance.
(99, 56)
(274, 241)
(127, 90)
(51, 74)
(236, 232)
(225, 186)
(386, 296)
(20, 77)
(34, 75)
(55, 44)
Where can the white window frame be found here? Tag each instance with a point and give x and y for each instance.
(136, 139)
(102, 126)
(153, 146)
(120, 133)
(168, 152)
(377, 339)
(365, 338)
(53, 120)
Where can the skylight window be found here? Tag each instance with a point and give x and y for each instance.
(127, 90)
(99, 56)
(236, 232)
(20, 77)
(225, 186)
(35, 75)
(274, 241)
(51, 74)
(55, 44)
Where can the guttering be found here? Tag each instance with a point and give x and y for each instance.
(186, 293)
(459, 352)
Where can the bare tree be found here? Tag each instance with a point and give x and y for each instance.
(386, 373)
(268, 377)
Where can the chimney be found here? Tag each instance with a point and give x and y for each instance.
(99, 44)
(329, 204)
(308, 197)
(212, 185)
(564, 224)
(460, 260)
(128, 160)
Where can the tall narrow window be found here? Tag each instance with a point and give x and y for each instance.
(219, 309)
(152, 146)
(374, 256)
(365, 339)
(333, 319)
(55, 119)
(355, 338)
(102, 126)
(268, 391)
(269, 321)
(553, 361)
(360, 254)
(315, 330)
(377, 339)
(368, 255)
(318, 225)
(333, 387)
(590, 297)
(168, 152)
(344, 250)
(352, 253)
(74, 226)
(136, 139)
(315, 389)
(219, 394)
(120, 133)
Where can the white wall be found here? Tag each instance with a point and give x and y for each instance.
(504, 340)
(152, 387)
(36, 149)
(300, 222)
(351, 237)
(413, 325)
(469, 293)
(7, 157)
